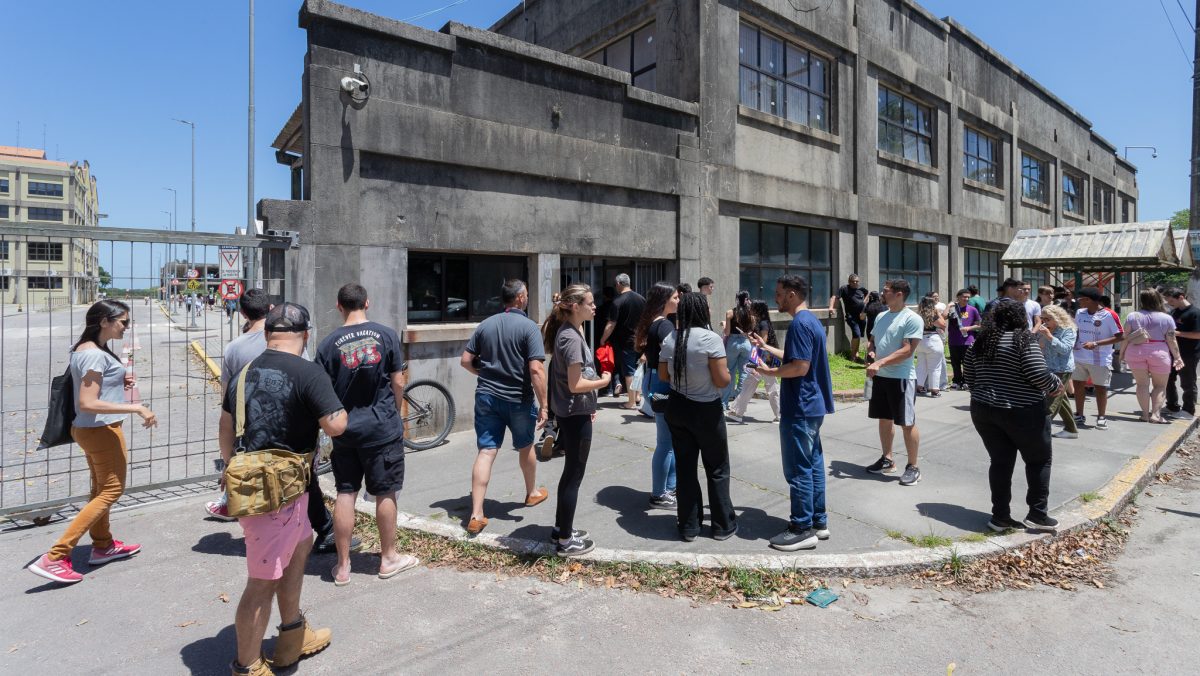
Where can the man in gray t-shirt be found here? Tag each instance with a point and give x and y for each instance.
(506, 354)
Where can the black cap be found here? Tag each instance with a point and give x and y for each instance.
(287, 318)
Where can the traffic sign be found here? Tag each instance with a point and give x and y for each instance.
(231, 262)
(174, 282)
(193, 285)
(231, 289)
(192, 274)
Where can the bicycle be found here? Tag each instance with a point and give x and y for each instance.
(428, 416)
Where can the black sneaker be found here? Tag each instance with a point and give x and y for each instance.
(724, 534)
(1006, 524)
(912, 474)
(688, 537)
(664, 501)
(574, 547)
(883, 465)
(1080, 420)
(575, 533)
(795, 538)
(326, 545)
(1041, 524)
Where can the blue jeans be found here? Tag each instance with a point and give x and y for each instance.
(662, 465)
(737, 354)
(494, 415)
(804, 469)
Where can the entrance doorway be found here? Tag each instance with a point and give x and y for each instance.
(599, 273)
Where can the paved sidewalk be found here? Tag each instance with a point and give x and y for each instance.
(866, 511)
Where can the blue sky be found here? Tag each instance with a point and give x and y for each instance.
(116, 73)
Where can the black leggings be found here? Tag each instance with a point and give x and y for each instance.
(575, 435)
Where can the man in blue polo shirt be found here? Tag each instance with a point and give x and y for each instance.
(506, 353)
(805, 399)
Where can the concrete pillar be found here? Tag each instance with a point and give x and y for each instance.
(545, 271)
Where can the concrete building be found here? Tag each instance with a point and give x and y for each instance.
(670, 139)
(52, 271)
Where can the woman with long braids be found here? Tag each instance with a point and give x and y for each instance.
(573, 402)
(655, 325)
(692, 360)
(99, 383)
(1009, 384)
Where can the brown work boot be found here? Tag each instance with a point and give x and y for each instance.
(258, 668)
(298, 641)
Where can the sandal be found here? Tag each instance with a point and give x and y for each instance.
(407, 561)
(336, 581)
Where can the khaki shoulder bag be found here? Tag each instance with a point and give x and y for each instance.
(262, 481)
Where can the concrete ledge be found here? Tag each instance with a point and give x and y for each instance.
(314, 10)
(1115, 494)
(208, 361)
(535, 53)
(439, 333)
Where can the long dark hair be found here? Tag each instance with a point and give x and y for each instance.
(656, 301)
(693, 314)
(96, 314)
(762, 313)
(743, 299)
(1004, 318)
(743, 319)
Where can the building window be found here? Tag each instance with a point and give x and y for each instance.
(3, 211)
(905, 127)
(980, 158)
(4, 186)
(458, 287)
(633, 54)
(783, 79)
(4, 283)
(3, 251)
(907, 260)
(1102, 203)
(44, 283)
(981, 269)
(1034, 173)
(45, 214)
(769, 250)
(45, 189)
(44, 252)
(1127, 213)
(1073, 195)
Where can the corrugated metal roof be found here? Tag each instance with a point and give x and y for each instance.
(1114, 247)
(1183, 249)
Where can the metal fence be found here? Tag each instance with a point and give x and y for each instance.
(173, 347)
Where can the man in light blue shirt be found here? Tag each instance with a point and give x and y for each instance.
(893, 402)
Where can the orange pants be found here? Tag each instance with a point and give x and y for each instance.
(107, 458)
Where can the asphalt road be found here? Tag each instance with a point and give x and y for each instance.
(162, 612)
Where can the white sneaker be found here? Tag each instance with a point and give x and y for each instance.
(733, 417)
(1065, 435)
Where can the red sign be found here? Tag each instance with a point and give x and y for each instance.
(193, 273)
(231, 289)
(174, 282)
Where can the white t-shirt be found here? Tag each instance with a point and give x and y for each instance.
(1094, 328)
(1032, 309)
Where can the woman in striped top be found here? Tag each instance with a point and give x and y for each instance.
(1009, 384)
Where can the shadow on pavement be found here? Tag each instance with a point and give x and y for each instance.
(635, 517)
(460, 508)
(212, 654)
(755, 524)
(954, 515)
(1172, 511)
(222, 543)
(840, 469)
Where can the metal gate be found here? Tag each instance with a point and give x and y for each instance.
(48, 278)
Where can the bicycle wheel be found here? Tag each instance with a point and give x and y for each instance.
(428, 415)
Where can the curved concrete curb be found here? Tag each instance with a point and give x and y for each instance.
(1114, 495)
(208, 362)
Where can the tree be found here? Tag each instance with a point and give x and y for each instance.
(105, 277)
(1181, 219)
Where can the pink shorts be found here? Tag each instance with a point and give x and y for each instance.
(1152, 357)
(272, 538)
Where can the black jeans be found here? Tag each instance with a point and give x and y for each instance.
(575, 435)
(698, 433)
(318, 513)
(957, 354)
(1186, 378)
(1005, 433)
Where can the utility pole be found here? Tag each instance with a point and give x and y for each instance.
(191, 246)
(251, 256)
(1194, 202)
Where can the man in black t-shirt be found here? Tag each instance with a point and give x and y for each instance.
(1187, 333)
(623, 319)
(287, 401)
(854, 305)
(365, 362)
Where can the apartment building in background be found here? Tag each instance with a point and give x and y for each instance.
(46, 271)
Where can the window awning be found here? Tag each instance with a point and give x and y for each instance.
(1118, 247)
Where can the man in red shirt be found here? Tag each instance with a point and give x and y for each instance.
(1106, 304)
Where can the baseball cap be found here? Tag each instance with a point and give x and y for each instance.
(287, 318)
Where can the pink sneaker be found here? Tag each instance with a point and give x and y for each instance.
(58, 571)
(218, 510)
(117, 550)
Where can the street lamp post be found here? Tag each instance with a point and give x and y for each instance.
(162, 280)
(1152, 149)
(174, 219)
(191, 247)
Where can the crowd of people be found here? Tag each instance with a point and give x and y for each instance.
(1020, 359)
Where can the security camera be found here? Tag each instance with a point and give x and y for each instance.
(1154, 155)
(353, 85)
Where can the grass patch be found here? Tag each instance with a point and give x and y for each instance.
(929, 541)
(974, 537)
(846, 373)
(1090, 496)
(955, 565)
(894, 534)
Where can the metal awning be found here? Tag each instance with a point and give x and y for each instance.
(1117, 247)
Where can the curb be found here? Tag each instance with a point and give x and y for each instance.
(1115, 494)
(212, 365)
